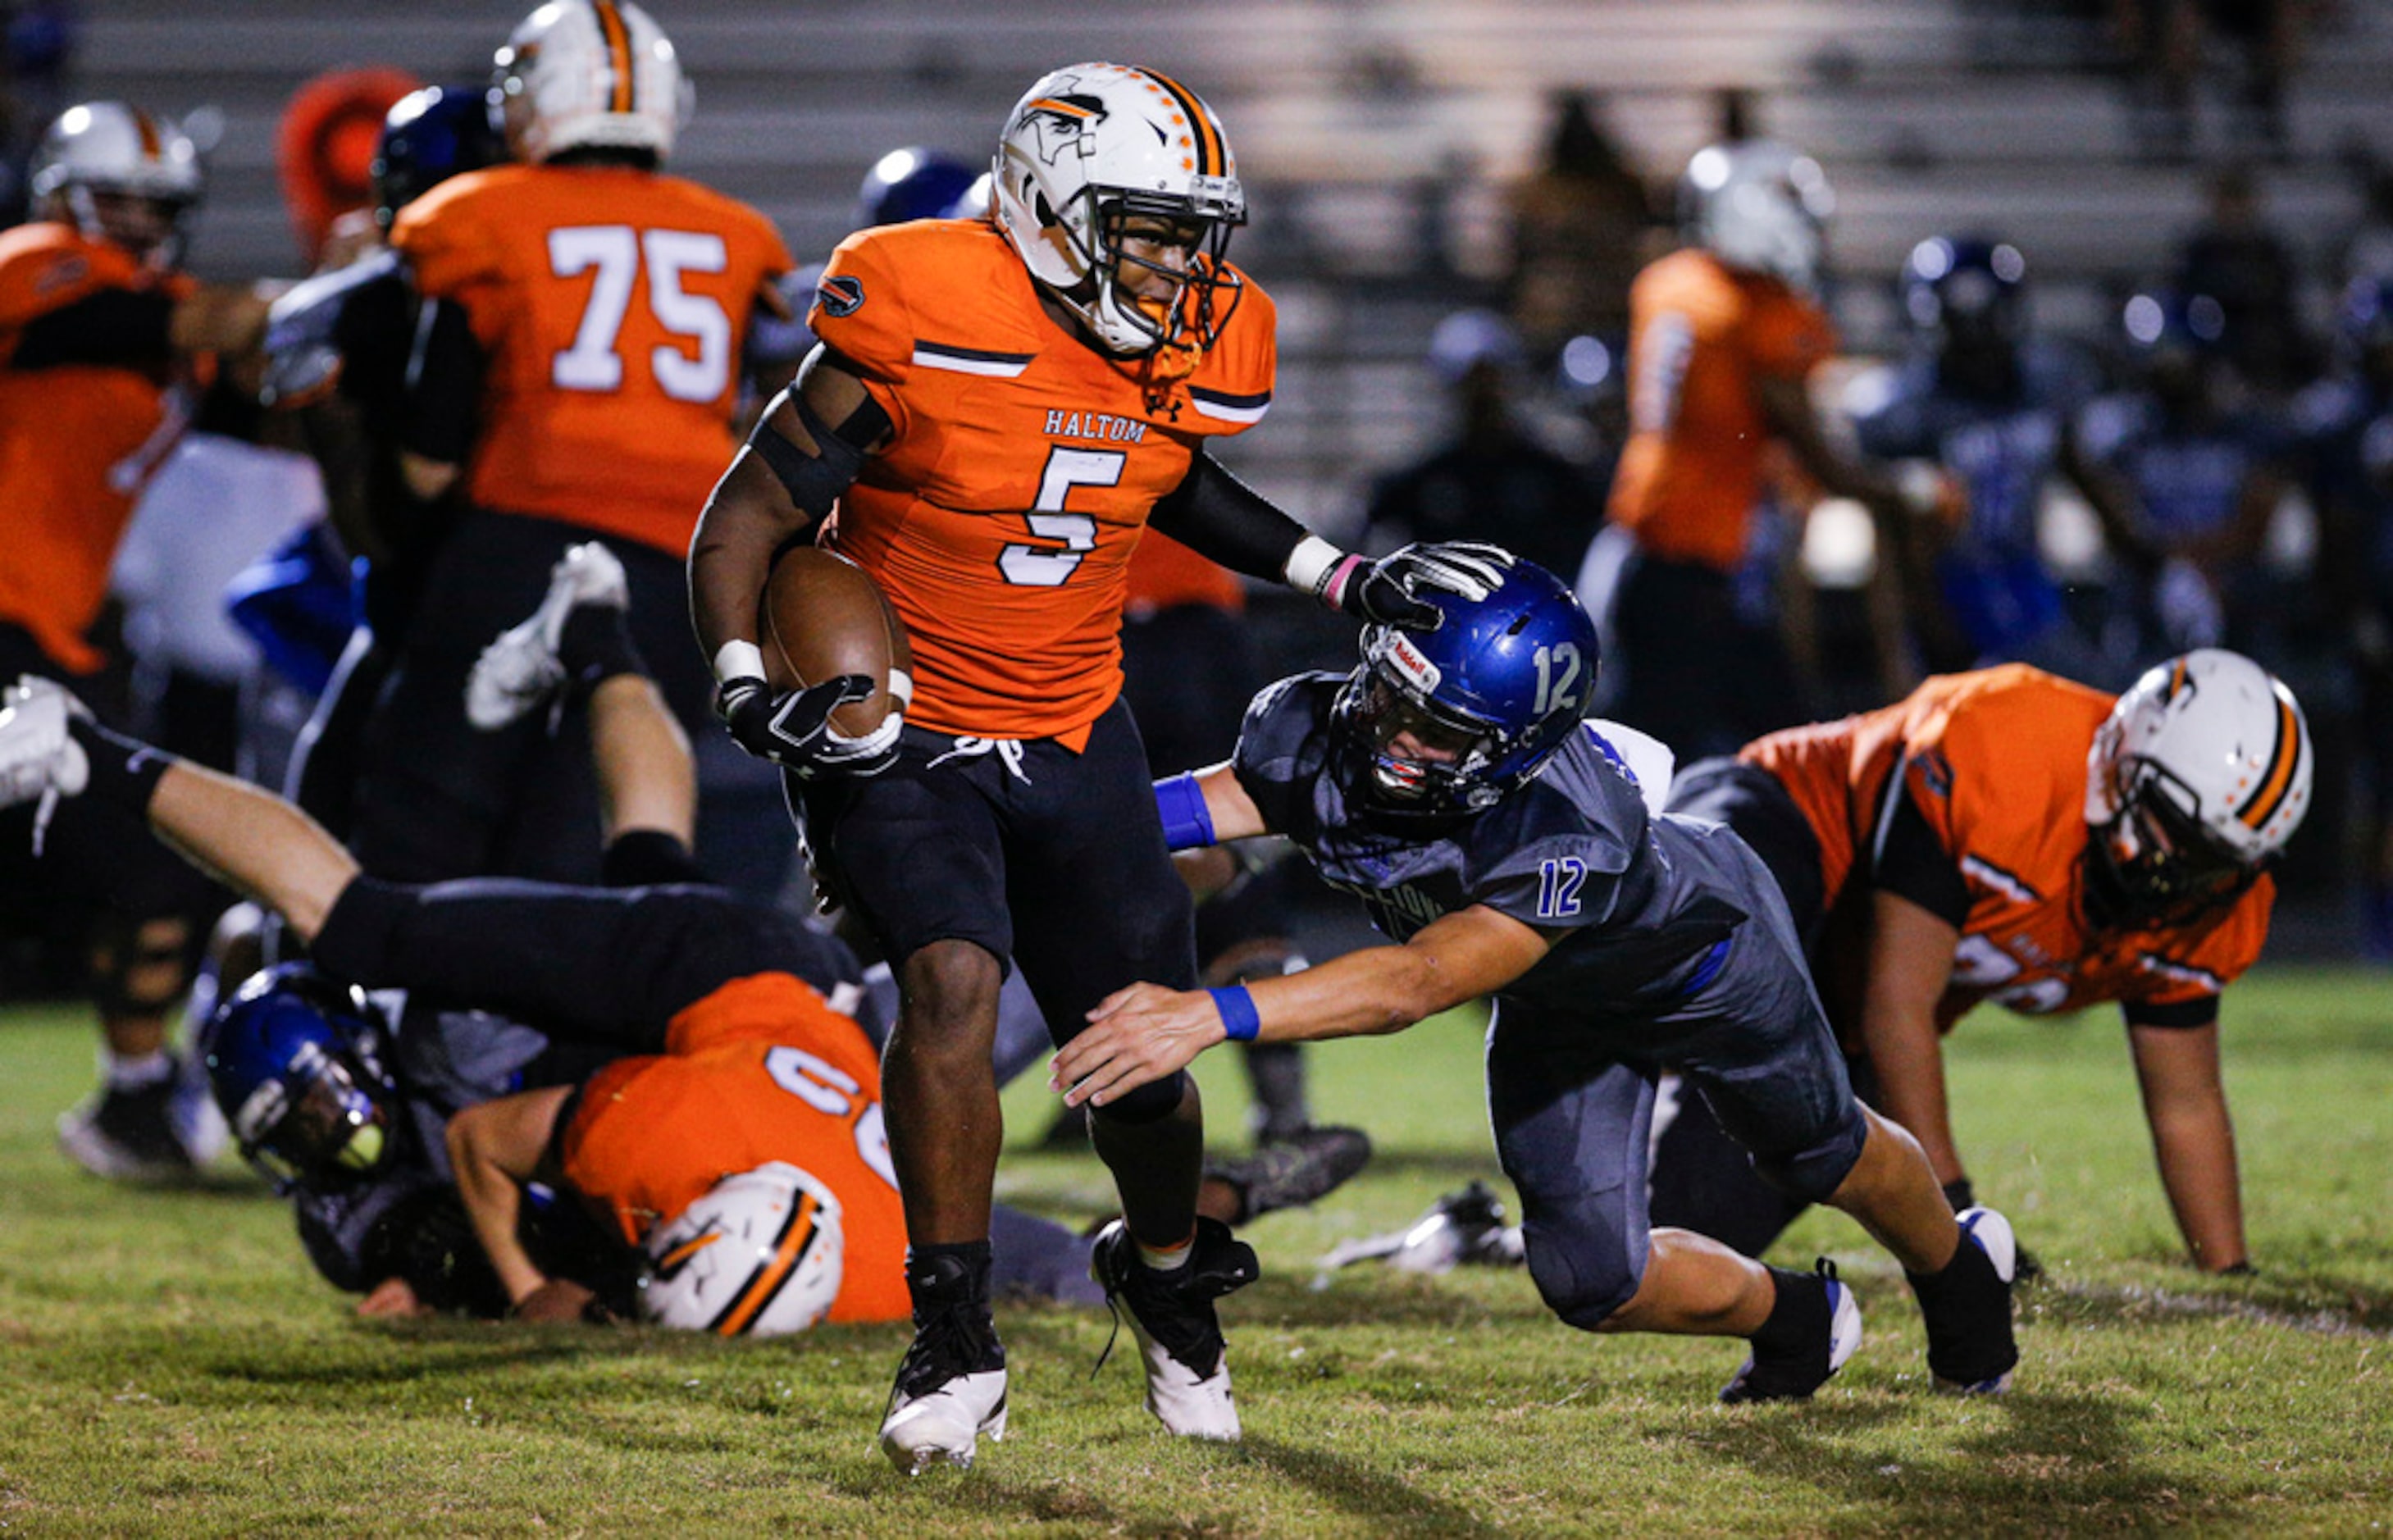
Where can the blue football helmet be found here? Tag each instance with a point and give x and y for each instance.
(913, 183)
(294, 1061)
(1436, 724)
(1967, 287)
(428, 137)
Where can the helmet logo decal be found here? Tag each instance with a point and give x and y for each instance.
(840, 294)
(1057, 122)
(678, 1258)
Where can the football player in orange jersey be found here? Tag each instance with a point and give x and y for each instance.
(2009, 836)
(102, 343)
(1723, 336)
(577, 374)
(998, 407)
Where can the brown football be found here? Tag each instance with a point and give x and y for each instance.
(823, 616)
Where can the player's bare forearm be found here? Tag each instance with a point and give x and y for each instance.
(1234, 813)
(1910, 963)
(217, 317)
(261, 845)
(745, 521)
(2193, 1140)
(493, 1148)
(1145, 1032)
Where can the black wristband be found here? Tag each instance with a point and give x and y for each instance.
(123, 770)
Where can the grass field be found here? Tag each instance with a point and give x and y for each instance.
(169, 1366)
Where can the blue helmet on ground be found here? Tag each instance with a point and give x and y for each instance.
(428, 137)
(293, 1060)
(1435, 723)
(912, 183)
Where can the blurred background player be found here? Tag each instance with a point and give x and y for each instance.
(576, 374)
(337, 349)
(1505, 847)
(103, 346)
(1995, 406)
(1010, 816)
(1724, 334)
(2013, 837)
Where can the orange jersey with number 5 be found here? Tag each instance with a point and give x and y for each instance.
(1702, 336)
(761, 1070)
(610, 305)
(1995, 760)
(1002, 516)
(77, 441)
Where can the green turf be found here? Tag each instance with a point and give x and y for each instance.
(169, 1366)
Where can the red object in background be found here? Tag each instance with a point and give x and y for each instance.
(323, 150)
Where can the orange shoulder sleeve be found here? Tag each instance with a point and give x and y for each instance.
(1786, 333)
(860, 307)
(447, 241)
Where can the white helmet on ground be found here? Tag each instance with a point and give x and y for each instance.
(1759, 205)
(2200, 775)
(584, 75)
(1091, 145)
(760, 1255)
(108, 148)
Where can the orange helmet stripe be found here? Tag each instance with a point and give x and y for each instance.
(619, 52)
(796, 1236)
(1212, 159)
(152, 144)
(2279, 778)
(1051, 104)
(687, 1249)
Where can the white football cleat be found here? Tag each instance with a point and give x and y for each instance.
(943, 1424)
(1179, 1336)
(521, 669)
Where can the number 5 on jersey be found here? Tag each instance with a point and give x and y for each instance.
(615, 252)
(1045, 566)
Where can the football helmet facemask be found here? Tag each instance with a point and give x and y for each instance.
(120, 175)
(588, 74)
(1117, 187)
(1441, 723)
(2194, 783)
(760, 1255)
(294, 1061)
(1760, 206)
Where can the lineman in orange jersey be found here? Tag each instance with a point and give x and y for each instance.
(1723, 334)
(579, 367)
(102, 343)
(999, 407)
(2009, 836)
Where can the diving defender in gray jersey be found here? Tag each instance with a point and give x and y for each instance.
(1505, 848)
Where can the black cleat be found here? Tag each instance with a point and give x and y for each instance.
(1304, 1168)
(1972, 1345)
(1829, 1323)
(1172, 1314)
(128, 1134)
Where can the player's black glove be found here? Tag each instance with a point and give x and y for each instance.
(1387, 591)
(794, 729)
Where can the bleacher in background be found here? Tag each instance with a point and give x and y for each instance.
(1374, 137)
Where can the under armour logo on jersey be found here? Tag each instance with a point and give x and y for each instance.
(840, 295)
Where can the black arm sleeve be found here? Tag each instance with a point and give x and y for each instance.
(1909, 862)
(117, 327)
(444, 386)
(591, 964)
(1221, 517)
(2182, 1016)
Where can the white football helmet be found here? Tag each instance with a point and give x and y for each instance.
(1091, 145)
(760, 1255)
(2200, 775)
(107, 147)
(588, 74)
(1759, 205)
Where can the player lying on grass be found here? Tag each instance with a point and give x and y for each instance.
(2007, 835)
(1505, 849)
(720, 984)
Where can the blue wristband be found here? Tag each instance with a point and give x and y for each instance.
(1240, 1020)
(1187, 823)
